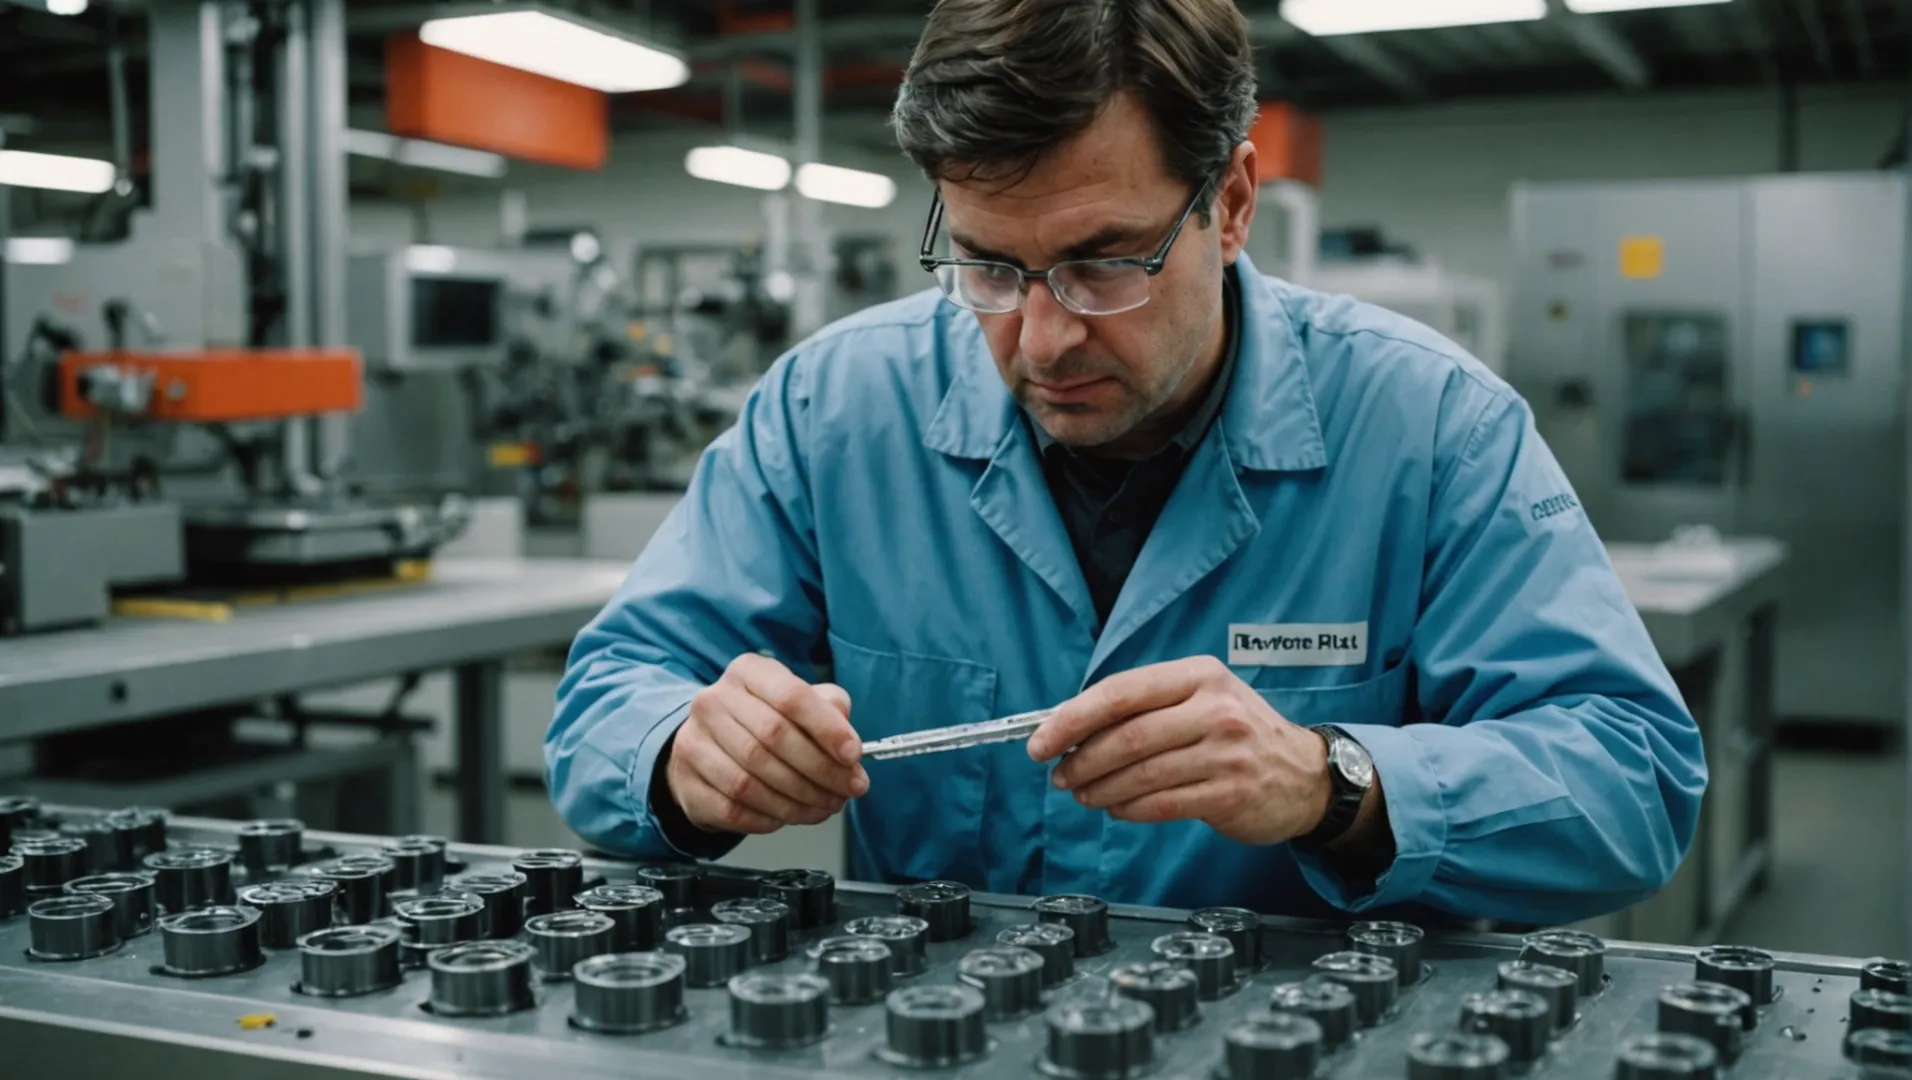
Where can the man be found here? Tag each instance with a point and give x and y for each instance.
(1327, 629)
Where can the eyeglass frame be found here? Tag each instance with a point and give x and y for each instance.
(1151, 265)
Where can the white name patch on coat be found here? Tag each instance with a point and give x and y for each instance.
(1297, 644)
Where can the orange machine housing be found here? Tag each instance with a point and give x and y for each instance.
(226, 385)
(1287, 144)
(449, 97)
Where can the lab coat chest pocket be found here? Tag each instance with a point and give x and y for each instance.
(922, 816)
(1383, 699)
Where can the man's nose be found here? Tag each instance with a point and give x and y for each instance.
(1049, 330)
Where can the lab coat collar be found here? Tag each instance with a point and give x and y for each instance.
(1269, 419)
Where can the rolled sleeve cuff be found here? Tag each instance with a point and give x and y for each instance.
(1417, 815)
(644, 766)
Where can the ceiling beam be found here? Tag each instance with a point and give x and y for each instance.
(1757, 39)
(1603, 45)
(1861, 34)
(1361, 52)
(1808, 11)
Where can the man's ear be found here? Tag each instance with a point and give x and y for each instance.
(1235, 201)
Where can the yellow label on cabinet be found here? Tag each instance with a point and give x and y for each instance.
(1642, 258)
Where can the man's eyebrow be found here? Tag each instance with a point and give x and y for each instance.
(1097, 245)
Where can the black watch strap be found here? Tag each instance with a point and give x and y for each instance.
(1344, 801)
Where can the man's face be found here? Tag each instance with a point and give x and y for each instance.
(1113, 382)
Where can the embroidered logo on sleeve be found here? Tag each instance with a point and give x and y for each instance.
(1554, 507)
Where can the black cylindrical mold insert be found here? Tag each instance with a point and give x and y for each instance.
(1010, 980)
(1558, 987)
(481, 978)
(934, 1027)
(108, 849)
(811, 895)
(768, 920)
(1054, 942)
(145, 828)
(944, 905)
(365, 886)
(51, 863)
(1400, 942)
(638, 911)
(1457, 1055)
(1271, 1046)
(349, 961)
(906, 935)
(1086, 915)
(291, 909)
(135, 905)
(1521, 1018)
(1112, 1039)
(189, 878)
(71, 928)
(1739, 967)
(1326, 1002)
(217, 940)
(1374, 979)
(503, 893)
(1880, 1009)
(563, 938)
(1210, 957)
(1171, 990)
(1240, 926)
(418, 862)
(712, 952)
(1719, 1014)
(1666, 1056)
(1881, 1047)
(777, 1011)
(552, 877)
(13, 886)
(1882, 974)
(628, 993)
(271, 845)
(860, 970)
(679, 882)
(1572, 950)
(441, 919)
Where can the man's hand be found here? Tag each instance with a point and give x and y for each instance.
(1189, 740)
(763, 749)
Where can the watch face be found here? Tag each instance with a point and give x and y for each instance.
(1352, 759)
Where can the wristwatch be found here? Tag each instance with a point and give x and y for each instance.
(1351, 772)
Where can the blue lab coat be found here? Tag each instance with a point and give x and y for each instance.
(878, 516)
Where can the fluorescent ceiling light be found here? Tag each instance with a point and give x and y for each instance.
(1595, 7)
(559, 45)
(57, 172)
(1324, 18)
(430, 259)
(39, 250)
(424, 154)
(735, 165)
(66, 7)
(852, 187)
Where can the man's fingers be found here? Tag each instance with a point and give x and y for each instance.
(715, 767)
(1159, 772)
(1134, 740)
(1114, 700)
(795, 749)
(736, 733)
(711, 811)
(837, 697)
(1192, 802)
(798, 701)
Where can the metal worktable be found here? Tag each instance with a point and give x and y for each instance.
(468, 618)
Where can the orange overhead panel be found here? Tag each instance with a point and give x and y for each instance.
(216, 385)
(1287, 144)
(449, 97)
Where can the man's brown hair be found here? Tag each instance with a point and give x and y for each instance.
(995, 84)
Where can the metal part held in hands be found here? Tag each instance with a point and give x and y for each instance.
(776, 1011)
(1271, 1046)
(1456, 1055)
(503, 893)
(1400, 942)
(289, 910)
(1581, 953)
(191, 878)
(1240, 926)
(944, 905)
(1211, 958)
(552, 877)
(628, 993)
(1170, 989)
(348, 961)
(769, 923)
(1086, 915)
(418, 862)
(906, 935)
(1010, 980)
(365, 886)
(482, 978)
(562, 938)
(934, 1027)
(135, 903)
(1374, 980)
(811, 895)
(637, 911)
(218, 940)
(860, 970)
(271, 845)
(1558, 987)
(957, 737)
(1054, 942)
(1741, 968)
(1099, 1040)
(71, 928)
(145, 827)
(51, 862)
(712, 952)
(1666, 1056)
(1322, 1000)
(13, 886)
